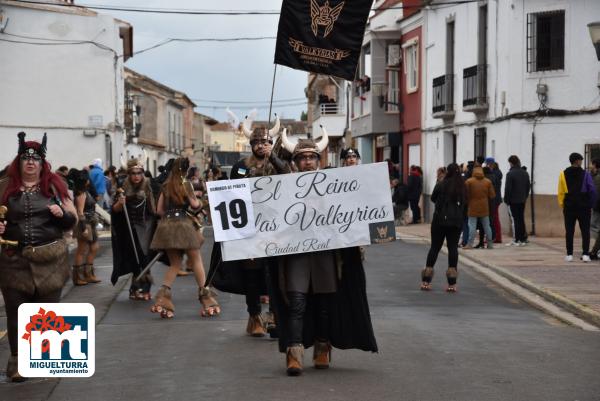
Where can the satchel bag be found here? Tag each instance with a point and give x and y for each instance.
(46, 253)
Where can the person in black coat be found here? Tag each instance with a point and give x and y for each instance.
(449, 197)
(516, 192)
(415, 188)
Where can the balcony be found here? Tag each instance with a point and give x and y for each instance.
(443, 97)
(330, 115)
(475, 88)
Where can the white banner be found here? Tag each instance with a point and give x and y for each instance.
(315, 211)
(231, 209)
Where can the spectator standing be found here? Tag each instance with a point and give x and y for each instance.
(595, 226)
(415, 188)
(98, 182)
(496, 226)
(399, 199)
(516, 192)
(480, 191)
(576, 195)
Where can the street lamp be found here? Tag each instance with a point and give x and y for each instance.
(594, 28)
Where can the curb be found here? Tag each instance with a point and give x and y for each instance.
(584, 313)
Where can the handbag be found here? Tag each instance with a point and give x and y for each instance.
(45, 253)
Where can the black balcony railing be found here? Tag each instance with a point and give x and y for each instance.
(475, 86)
(443, 94)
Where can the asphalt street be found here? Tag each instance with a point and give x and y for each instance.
(478, 344)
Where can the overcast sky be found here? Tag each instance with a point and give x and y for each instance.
(230, 71)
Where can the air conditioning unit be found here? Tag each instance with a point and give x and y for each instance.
(394, 55)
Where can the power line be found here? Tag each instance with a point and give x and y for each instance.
(230, 12)
(265, 107)
(249, 102)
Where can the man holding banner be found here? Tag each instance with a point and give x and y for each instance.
(250, 274)
(321, 296)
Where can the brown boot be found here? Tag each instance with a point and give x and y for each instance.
(88, 274)
(294, 357)
(255, 327)
(77, 275)
(321, 354)
(12, 370)
(451, 275)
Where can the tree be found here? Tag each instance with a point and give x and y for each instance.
(303, 116)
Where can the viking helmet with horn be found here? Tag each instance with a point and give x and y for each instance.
(31, 148)
(305, 145)
(260, 134)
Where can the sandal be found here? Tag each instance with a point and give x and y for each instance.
(210, 306)
(136, 294)
(426, 276)
(164, 304)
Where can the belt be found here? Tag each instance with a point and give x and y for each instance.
(175, 214)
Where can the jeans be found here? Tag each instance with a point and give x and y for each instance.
(517, 210)
(583, 216)
(297, 311)
(485, 222)
(438, 234)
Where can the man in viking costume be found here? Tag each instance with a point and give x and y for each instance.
(320, 297)
(131, 249)
(248, 277)
(34, 258)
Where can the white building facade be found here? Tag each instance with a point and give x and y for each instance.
(61, 72)
(509, 78)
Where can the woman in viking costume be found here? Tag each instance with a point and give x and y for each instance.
(85, 231)
(133, 224)
(34, 256)
(177, 233)
(320, 297)
(248, 277)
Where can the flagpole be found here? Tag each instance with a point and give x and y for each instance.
(272, 91)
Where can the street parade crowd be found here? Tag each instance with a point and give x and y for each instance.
(316, 299)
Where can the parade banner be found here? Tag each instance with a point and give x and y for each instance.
(313, 211)
(322, 36)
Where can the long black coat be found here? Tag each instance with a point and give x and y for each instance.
(351, 325)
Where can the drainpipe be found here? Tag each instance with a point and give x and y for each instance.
(533, 179)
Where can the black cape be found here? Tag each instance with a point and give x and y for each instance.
(350, 321)
(228, 276)
(124, 261)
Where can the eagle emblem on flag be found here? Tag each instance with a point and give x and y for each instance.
(324, 16)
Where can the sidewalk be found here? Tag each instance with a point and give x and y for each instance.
(539, 267)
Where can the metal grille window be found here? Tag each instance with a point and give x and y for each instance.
(546, 41)
(393, 91)
(480, 142)
(592, 152)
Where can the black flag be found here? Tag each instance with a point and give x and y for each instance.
(322, 36)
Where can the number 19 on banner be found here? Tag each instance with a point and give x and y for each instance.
(231, 209)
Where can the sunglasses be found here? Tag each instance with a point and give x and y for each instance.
(307, 157)
(33, 156)
(136, 173)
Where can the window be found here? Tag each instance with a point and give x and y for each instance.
(411, 66)
(393, 91)
(592, 152)
(480, 143)
(450, 48)
(546, 41)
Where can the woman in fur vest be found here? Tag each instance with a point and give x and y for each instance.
(177, 233)
(34, 256)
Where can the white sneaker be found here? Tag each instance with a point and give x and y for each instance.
(512, 243)
(522, 243)
(569, 258)
(586, 258)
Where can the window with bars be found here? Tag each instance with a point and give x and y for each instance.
(546, 41)
(480, 142)
(393, 91)
(592, 152)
